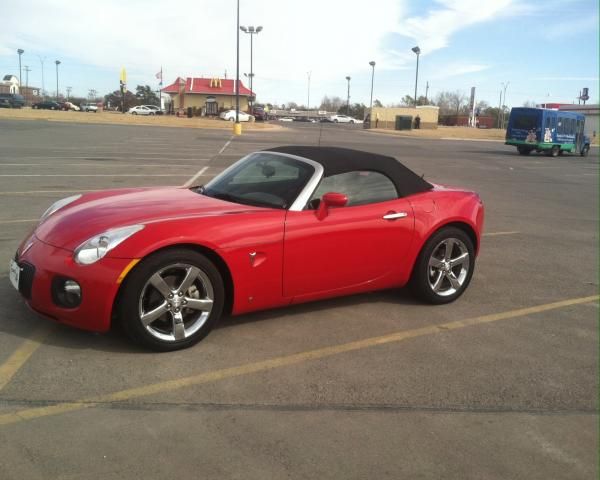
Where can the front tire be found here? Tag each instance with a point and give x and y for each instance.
(523, 150)
(171, 300)
(444, 267)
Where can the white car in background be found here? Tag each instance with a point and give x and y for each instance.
(141, 110)
(72, 106)
(286, 119)
(157, 110)
(89, 107)
(344, 119)
(229, 115)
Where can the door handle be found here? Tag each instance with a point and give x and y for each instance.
(394, 215)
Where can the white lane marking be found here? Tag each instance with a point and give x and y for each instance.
(94, 165)
(29, 192)
(28, 220)
(191, 181)
(97, 175)
(225, 146)
(497, 234)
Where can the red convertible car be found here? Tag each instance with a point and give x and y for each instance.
(279, 227)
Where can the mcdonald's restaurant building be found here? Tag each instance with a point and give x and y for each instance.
(212, 95)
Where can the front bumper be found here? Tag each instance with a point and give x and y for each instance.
(99, 282)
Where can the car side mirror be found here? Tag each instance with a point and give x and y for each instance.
(330, 199)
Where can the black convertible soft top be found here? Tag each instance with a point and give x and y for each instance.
(337, 160)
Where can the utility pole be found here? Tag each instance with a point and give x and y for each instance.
(372, 63)
(57, 64)
(427, 92)
(69, 92)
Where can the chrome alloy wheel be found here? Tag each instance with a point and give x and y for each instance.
(448, 267)
(176, 302)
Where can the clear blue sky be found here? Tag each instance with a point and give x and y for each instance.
(547, 50)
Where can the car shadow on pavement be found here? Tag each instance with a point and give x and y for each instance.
(19, 322)
(397, 296)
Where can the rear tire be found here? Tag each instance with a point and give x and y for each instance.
(182, 277)
(523, 150)
(444, 267)
(585, 151)
(554, 151)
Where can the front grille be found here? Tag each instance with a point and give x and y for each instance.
(26, 279)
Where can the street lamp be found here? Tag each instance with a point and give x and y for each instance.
(348, 98)
(237, 128)
(308, 96)
(417, 50)
(20, 51)
(250, 30)
(372, 63)
(503, 102)
(57, 64)
(42, 60)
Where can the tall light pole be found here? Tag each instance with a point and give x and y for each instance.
(250, 30)
(348, 98)
(372, 63)
(417, 50)
(237, 128)
(504, 87)
(308, 95)
(27, 70)
(42, 59)
(57, 64)
(20, 51)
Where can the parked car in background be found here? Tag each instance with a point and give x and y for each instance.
(229, 115)
(259, 114)
(344, 119)
(11, 100)
(286, 119)
(89, 107)
(48, 105)
(325, 120)
(141, 110)
(70, 106)
(157, 110)
(305, 119)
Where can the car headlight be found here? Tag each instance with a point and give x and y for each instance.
(97, 247)
(58, 205)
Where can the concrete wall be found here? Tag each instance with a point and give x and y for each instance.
(225, 102)
(387, 116)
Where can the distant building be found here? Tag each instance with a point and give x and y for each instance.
(385, 117)
(591, 112)
(10, 84)
(212, 95)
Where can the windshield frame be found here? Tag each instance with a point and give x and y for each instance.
(301, 199)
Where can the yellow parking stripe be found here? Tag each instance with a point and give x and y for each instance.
(20, 356)
(278, 362)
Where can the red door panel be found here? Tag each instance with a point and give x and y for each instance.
(352, 247)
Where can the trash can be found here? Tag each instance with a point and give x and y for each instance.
(190, 112)
(403, 122)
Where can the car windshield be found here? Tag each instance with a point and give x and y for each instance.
(262, 180)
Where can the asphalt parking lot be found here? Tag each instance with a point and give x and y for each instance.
(501, 384)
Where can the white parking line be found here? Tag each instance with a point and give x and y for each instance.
(100, 165)
(191, 181)
(497, 234)
(28, 220)
(99, 175)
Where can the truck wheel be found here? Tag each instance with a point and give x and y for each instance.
(585, 151)
(523, 150)
(554, 151)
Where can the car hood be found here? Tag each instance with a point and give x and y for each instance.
(97, 212)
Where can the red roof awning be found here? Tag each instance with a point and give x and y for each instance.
(207, 86)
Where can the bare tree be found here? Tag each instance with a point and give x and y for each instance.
(331, 104)
(529, 104)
